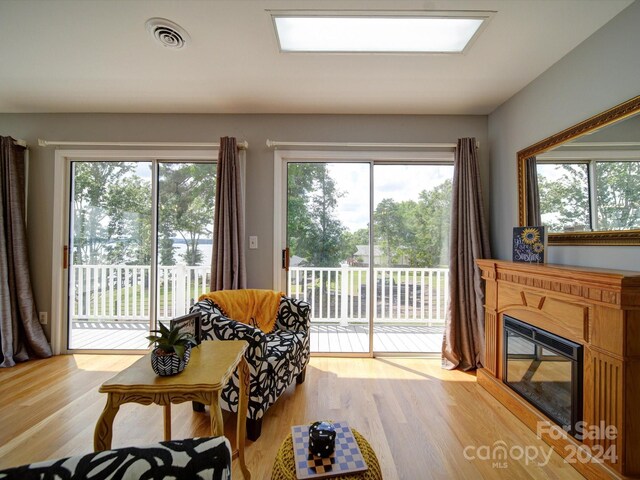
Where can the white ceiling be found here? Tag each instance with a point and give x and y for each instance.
(96, 56)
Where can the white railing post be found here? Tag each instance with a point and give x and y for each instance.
(180, 299)
(344, 295)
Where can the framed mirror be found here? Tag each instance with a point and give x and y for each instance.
(584, 183)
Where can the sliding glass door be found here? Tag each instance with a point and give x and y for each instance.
(186, 196)
(328, 241)
(411, 219)
(140, 235)
(368, 249)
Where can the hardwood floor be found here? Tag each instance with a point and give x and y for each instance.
(419, 418)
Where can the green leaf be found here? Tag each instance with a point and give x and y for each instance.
(179, 349)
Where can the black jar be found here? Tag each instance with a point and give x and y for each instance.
(322, 439)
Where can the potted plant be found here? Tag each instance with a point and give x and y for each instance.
(172, 350)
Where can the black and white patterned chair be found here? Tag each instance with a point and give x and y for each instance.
(202, 458)
(275, 359)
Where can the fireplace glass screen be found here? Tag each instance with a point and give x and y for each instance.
(546, 370)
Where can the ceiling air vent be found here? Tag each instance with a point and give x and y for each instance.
(167, 33)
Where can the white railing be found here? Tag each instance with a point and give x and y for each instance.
(337, 295)
(402, 295)
(121, 292)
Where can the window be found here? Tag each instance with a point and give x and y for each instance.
(367, 236)
(135, 230)
(589, 195)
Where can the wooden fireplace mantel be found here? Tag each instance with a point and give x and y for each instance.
(597, 308)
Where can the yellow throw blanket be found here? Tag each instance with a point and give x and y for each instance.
(257, 308)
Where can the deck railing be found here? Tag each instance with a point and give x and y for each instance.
(402, 295)
(337, 295)
(121, 292)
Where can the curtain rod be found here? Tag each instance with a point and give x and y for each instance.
(50, 143)
(20, 142)
(276, 144)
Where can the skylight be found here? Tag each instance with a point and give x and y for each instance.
(333, 33)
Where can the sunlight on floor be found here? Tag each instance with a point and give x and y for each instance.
(102, 363)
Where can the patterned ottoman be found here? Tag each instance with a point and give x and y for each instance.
(284, 467)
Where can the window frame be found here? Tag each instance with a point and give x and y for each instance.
(61, 206)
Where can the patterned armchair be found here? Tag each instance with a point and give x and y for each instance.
(205, 458)
(275, 359)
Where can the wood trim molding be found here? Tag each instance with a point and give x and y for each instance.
(617, 113)
(601, 286)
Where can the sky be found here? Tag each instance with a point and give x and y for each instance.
(398, 182)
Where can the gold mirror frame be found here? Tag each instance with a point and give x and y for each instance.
(612, 237)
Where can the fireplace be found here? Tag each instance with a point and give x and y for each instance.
(546, 370)
(596, 308)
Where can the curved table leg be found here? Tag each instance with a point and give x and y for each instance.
(104, 428)
(167, 422)
(217, 424)
(243, 404)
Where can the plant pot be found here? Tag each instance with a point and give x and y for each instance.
(170, 363)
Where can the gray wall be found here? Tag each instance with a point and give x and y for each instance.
(256, 129)
(601, 72)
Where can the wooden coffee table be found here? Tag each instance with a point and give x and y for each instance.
(212, 363)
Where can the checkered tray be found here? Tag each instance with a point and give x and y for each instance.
(346, 458)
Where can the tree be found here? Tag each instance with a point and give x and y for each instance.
(387, 228)
(565, 202)
(433, 227)
(564, 196)
(111, 214)
(351, 240)
(166, 249)
(415, 233)
(618, 195)
(186, 207)
(314, 233)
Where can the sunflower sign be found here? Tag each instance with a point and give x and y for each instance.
(529, 244)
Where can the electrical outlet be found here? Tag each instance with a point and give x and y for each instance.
(253, 242)
(43, 317)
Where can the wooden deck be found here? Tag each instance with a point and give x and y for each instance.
(386, 338)
(330, 338)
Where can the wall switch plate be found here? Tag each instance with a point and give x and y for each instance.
(253, 242)
(43, 317)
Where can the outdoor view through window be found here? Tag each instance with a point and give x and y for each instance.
(328, 233)
(341, 216)
(111, 227)
(589, 195)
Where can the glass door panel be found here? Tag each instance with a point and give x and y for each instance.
(411, 220)
(109, 255)
(328, 239)
(186, 196)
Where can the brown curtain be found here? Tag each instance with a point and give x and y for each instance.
(228, 261)
(533, 195)
(463, 342)
(21, 335)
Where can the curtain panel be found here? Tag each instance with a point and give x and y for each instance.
(228, 264)
(21, 335)
(533, 194)
(463, 341)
